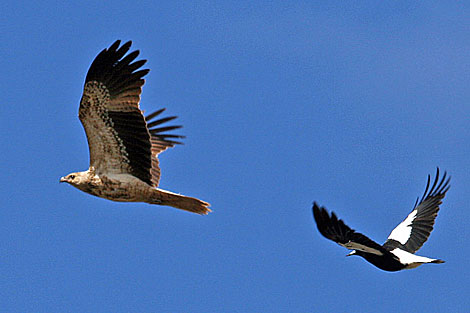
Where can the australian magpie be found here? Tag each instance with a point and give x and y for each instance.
(397, 253)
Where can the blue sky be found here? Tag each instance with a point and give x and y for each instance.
(348, 104)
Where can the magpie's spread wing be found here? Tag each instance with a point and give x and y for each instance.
(334, 229)
(413, 232)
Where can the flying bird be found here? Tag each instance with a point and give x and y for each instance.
(124, 145)
(397, 253)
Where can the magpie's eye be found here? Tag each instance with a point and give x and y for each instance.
(72, 176)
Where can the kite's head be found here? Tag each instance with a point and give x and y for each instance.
(351, 253)
(75, 179)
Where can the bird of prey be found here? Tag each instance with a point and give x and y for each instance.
(397, 253)
(124, 145)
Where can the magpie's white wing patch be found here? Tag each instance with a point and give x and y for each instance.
(402, 232)
(412, 233)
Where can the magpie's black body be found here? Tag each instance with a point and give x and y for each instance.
(386, 262)
(397, 253)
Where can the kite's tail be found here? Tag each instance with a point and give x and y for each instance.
(164, 197)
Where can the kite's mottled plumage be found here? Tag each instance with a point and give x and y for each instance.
(124, 145)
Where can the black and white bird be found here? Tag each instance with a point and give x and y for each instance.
(397, 253)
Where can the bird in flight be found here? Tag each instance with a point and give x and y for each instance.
(397, 253)
(124, 145)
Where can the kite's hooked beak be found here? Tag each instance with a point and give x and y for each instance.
(351, 253)
(62, 180)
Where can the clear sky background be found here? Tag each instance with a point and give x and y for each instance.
(350, 104)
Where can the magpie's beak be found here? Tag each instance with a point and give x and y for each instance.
(62, 180)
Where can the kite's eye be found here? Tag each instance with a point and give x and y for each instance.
(72, 176)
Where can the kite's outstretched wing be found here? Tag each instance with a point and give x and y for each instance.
(119, 138)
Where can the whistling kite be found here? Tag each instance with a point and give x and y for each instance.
(397, 253)
(124, 145)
